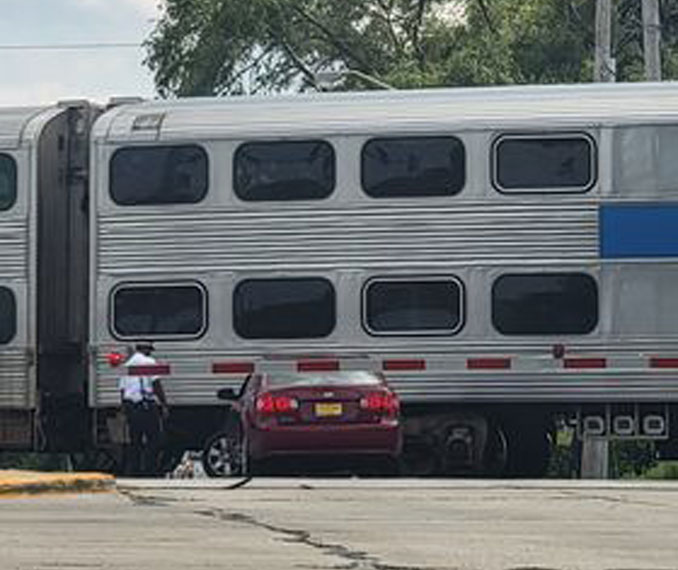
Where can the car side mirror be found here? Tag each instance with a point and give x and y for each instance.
(227, 394)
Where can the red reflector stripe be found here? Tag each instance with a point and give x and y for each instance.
(149, 370)
(317, 365)
(488, 363)
(585, 363)
(412, 364)
(664, 362)
(233, 368)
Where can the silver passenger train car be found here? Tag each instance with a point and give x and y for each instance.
(43, 275)
(502, 254)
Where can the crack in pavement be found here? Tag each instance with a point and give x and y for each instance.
(579, 495)
(357, 559)
(354, 559)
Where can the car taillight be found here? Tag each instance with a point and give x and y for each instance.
(269, 404)
(380, 402)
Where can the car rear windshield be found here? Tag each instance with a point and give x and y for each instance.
(323, 379)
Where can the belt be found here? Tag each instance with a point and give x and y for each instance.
(144, 403)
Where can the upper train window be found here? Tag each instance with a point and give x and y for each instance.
(7, 182)
(7, 315)
(284, 170)
(413, 167)
(544, 163)
(145, 175)
(413, 306)
(159, 310)
(284, 308)
(545, 303)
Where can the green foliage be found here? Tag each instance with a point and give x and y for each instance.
(663, 470)
(628, 459)
(231, 46)
(631, 458)
(208, 47)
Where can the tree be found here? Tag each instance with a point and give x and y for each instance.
(216, 47)
(232, 46)
(524, 41)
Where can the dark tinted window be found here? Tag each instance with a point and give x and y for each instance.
(413, 166)
(159, 175)
(7, 181)
(552, 303)
(159, 310)
(284, 308)
(7, 315)
(542, 163)
(284, 170)
(432, 306)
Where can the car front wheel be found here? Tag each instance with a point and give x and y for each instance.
(221, 455)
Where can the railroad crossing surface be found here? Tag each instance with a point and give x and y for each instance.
(363, 524)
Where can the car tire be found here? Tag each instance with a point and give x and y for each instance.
(221, 455)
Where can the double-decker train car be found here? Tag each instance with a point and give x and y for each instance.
(43, 276)
(503, 255)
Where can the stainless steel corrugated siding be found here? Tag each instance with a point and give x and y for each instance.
(14, 392)
(12, 122)
(14, 250)
(362, 238)
(378, 111)
(14, 382)
(192, 383)
(365, 237)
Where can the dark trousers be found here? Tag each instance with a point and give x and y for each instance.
(143, 420)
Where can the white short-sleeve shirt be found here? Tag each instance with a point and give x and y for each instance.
(138, 388)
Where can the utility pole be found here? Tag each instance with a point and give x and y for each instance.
(604, 63)
(651, 39)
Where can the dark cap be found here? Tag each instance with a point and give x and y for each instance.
(144, 345)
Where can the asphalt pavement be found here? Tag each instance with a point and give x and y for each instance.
(392, 524)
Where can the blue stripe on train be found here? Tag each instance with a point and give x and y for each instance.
(638, 230)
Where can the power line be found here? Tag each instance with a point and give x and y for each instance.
(56, 47)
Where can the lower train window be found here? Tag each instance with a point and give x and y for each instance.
(159, 310)
(284, 308)
(545, 303)
(7, 182)
(144, 175)
(284, 170)
(413, 306)
(7, 315)
(413, 167)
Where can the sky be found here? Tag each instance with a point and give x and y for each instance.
(45, 76)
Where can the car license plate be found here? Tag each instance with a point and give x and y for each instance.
(328, 409)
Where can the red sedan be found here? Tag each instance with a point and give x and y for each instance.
(327, 416)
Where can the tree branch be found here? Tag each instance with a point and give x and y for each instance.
(336, 42)
(385, 16)
(486, 16)
(241, 72)
(416, 33)
(298, 62)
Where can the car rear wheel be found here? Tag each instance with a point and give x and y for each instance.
(221, 455)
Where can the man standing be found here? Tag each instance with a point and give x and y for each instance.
(143, 401)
